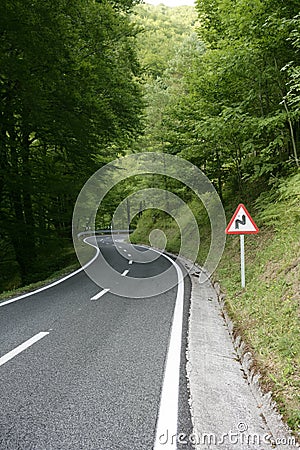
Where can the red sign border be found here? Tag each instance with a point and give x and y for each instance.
(241, 205)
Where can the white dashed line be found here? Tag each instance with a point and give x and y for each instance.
(124, 273)
(22, 347)
(130, 262)
(100, 294)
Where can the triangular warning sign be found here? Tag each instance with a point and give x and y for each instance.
(241, 222)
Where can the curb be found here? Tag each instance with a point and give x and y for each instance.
(268, 406)
(281, 437)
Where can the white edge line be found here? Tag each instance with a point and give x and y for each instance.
(22, 347)
(100, 294)
(168, 409)
(124, 273)
(55, 283)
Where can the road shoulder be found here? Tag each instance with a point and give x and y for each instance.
(228, 408)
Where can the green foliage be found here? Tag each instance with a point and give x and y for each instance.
(293, 67)
(228, 101)
(163, 30)
(267, 311)
(230, 114)
(69, 98)
(165, 44)
(280, 206)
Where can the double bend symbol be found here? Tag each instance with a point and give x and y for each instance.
(242, 222)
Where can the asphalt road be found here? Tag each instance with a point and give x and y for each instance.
(94, 380)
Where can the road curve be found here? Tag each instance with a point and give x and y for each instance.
(83, 368)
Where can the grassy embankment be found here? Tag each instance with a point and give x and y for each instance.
(267, 313)
(52, 264)
(55, 262)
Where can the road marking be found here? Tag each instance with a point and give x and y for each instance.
(100, 294)
(124, 273)
(125, 250)
(130, 262)
(168, 410)
(55, 283)
(129, 255)
(22, 347)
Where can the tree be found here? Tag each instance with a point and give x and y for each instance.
(229, 114)
(69, 97)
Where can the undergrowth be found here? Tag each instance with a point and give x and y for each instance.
(267, 312)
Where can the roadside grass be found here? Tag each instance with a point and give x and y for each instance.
(60, 263)
(267, 312)
(33, 286)
(155, 219)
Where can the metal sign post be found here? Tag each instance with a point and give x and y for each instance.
(242, 223)
(243, 277)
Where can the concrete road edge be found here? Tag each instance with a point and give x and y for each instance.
(234, 399)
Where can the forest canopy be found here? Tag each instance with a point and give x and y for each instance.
(69, 98)
(82, 83)
(227, 98)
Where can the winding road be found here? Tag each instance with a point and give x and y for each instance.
(83, 368)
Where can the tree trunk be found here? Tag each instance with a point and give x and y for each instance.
(21, 231)
(219, 176)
